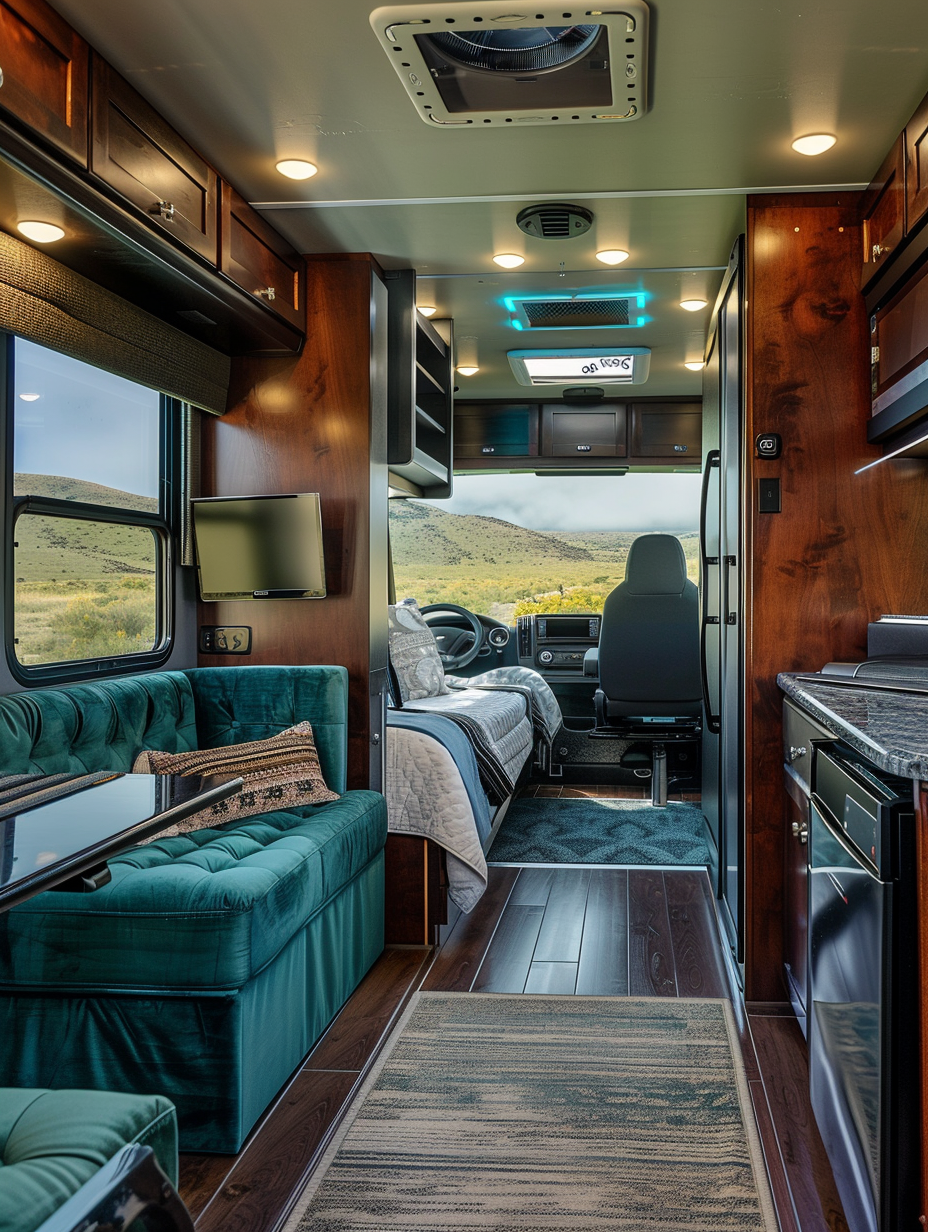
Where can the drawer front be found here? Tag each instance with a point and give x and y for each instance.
(45, 71)
(799, 731)
(136, 152)
(884, 213)
(259, 260)
(916, 167)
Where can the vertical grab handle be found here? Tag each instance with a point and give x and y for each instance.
(713, 459)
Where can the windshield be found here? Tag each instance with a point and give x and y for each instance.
(510, 545)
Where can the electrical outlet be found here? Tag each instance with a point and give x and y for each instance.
(225, 639)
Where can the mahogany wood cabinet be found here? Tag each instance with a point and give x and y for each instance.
(259, 260)
(916, 166)
(661, 431)
(138, 153)
(884, 213)
(44, 67)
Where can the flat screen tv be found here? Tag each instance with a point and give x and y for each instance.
(259, 547)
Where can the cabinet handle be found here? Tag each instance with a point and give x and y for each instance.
(268, 292)
(801, 831)
(166, 210)
(795, 752)
(878, 251)
(1, 76)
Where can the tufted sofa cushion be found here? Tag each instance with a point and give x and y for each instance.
(52, 1142)
(203, 911)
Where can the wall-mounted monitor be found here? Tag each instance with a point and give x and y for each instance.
(259, 547)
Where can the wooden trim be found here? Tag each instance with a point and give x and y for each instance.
(921, 861)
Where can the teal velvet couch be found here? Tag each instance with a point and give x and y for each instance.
(212, 962)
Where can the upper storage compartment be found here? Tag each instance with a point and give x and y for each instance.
(585, 432)
(259, 260)
(137, 152)
(45, 68)
(884, 213)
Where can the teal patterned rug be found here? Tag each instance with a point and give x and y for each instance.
(548, 1114)
(547, 830)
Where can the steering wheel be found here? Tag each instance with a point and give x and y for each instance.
(455, 653)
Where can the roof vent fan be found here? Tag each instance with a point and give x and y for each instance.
(554, 221)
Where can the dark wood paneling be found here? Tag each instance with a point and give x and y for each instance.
(786, 1216)
(783, 1060)
(650, 949)
(697, 962)
(304, 425)
(459, 958)
(883, 207)
(845, 547)
(916, 166)
(45, 74)
(136, 151)
(603, 967)
(415, 903)
(506, 965)
(259, 260)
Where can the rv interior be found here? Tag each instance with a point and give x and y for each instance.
(588, 670)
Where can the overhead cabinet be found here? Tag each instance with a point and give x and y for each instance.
(44, 67)
(884, 213)
(665, 430)
(504, 432)
(136, 151)
(916, 166)
(573, 432)
(259, 260)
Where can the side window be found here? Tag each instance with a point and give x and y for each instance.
(87, 566)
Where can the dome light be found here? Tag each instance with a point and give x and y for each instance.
(692, 305)
(427, 310)
(30, 397)
(297, 168)
(612, 256)
(40, 232)
(508, 260)
(695, 365)
(814, 143)
(467, 369)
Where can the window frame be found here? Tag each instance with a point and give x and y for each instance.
(160, 524)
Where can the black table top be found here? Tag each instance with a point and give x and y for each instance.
(65, 828)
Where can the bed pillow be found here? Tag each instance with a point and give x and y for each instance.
(282, 772)
(414, 659)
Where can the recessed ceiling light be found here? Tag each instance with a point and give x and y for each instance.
(467, 369)
(612, 256)
(427, 310)
(30, 397)
(694, 365)
(296, 168)
(40, 232)
(508, 260)
(814, 143)
(692, 305)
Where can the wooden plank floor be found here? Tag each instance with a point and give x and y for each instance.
(600, 931)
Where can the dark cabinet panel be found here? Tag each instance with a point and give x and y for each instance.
(916, 166)
(137, 152)
(259, 260)
(45, 70)
(884, 213)
(666, 430)
(567, 432)
(498, 432)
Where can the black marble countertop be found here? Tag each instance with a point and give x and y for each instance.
(888, 725)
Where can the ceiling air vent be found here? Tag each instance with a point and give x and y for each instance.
(465, 65)
(554, 222)
(574, 311)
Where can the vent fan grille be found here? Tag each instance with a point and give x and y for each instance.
(555, 221)
(575, 314)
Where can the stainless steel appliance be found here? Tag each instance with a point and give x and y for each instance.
(722, 636)
(863, 1056)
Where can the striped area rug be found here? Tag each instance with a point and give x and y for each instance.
(548, 1114)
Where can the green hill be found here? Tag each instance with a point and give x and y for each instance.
(433, 536)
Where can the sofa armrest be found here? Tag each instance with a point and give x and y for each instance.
(236, 704)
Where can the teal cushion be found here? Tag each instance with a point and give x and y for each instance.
(238, 704)
(51, 1142)
(98, 726)
(203, 911)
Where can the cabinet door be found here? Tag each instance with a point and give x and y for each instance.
(587, 433)
(259, 260)
(45, 69)
(916, 167)
(502, 432)
(138, 153)
(666, 430)
(883, 213)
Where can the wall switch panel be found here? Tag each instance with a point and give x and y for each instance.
(225, 639)
(768, 496)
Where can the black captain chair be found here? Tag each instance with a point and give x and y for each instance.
(650, 687)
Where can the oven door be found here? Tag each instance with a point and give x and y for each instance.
(849, 923)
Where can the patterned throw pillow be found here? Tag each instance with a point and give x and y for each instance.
(414, 656)
(282, 772)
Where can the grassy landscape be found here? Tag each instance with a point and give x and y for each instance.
(501, 570)
(82, 589)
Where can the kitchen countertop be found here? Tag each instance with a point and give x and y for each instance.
(889, 725)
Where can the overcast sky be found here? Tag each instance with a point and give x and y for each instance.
(628, 502)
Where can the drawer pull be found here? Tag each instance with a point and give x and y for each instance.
(795, 752)
(878, 251)
(801, 831)
(1, 76)
(269, 293)
(166, 210)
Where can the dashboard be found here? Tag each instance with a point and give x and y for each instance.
(555, 645)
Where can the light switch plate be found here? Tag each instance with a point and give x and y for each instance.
(225, 639)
